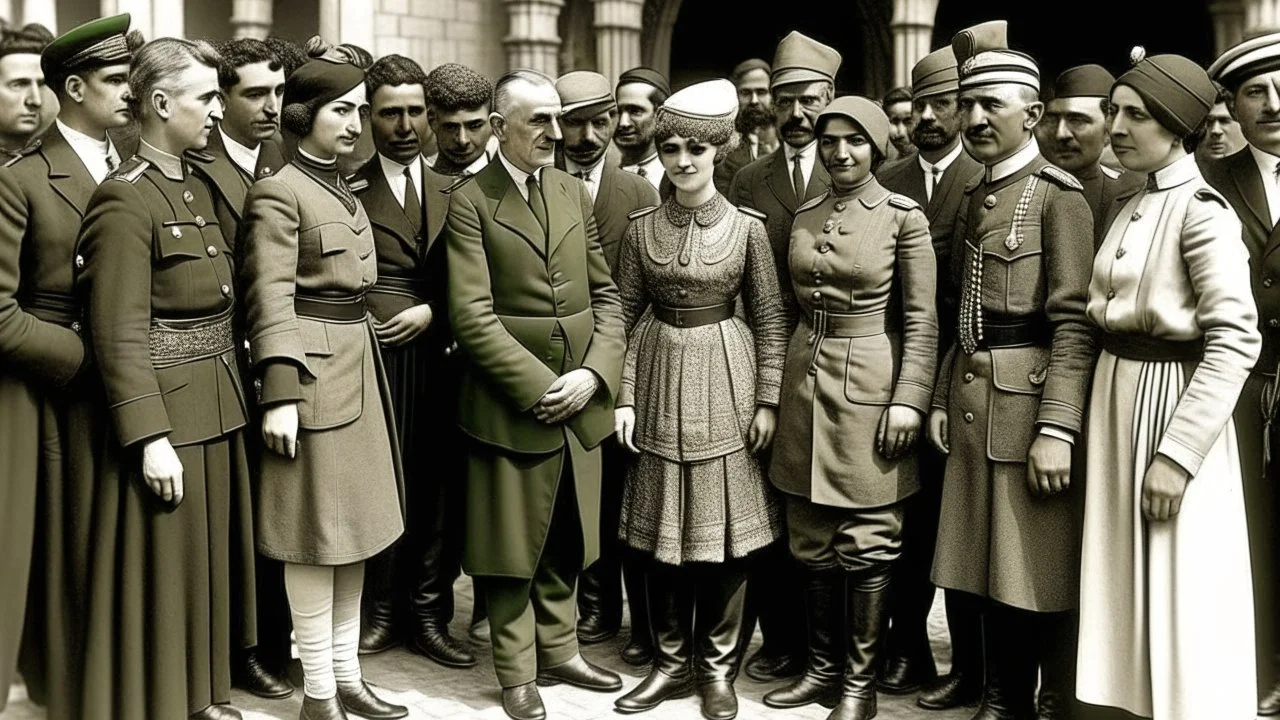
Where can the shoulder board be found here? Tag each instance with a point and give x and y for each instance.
(1113, 174)
(355, 183)
(457, 184)
(28, 150)
(902, 202)
(1062, 177)
(809, 205)
(1211, 195)
(753, 213)
(641, 212)
(130, 170)
(199, 156)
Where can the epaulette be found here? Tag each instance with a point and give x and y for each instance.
(25, 151)
(637, 214)
(199, 156)
(809, 204)
(457, 184)
(1207, 194)
(1062, 177)
(130, 170)
(902, 202)
(357, 184)
(753, 213)
(1113, 174)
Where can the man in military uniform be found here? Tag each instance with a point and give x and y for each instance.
(588, 123)
(935, 177)
(757, 135)
(539, 320)
(458, 102)
(802, 84)
(1247, 179)
(22, 95)
(639, 93)
(1010, 398)
(1073, 133)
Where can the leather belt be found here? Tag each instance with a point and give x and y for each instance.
(331, 309)
(1148, 349)
(828, 324)
(415, 288)
(998, 333)
(52, 307)
(694, 317)
(177, 341)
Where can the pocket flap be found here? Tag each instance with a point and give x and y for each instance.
(187, 245)
(315, 338)
(1019, 370)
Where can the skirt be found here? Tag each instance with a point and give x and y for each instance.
(1166, 609)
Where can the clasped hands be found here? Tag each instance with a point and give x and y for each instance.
(567, 396)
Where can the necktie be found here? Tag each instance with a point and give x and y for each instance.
(111, 164)
(536, 202)
(935, 175)
(412, 205)
(797, 179)
(582, 175)
(641, 171)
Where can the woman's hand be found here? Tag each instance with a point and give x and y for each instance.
(760, 434)
(938, 435)
(899, 426)
(1162, 489)
(162, 470)
(280, 429)
(405, 326)
(624, 428)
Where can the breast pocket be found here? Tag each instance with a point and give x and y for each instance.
(332, 386)
(1013, 278)
(871, 368)
(346, 254)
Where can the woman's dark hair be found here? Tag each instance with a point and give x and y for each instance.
(1192, 141)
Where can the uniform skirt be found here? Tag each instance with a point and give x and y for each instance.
(1166, 611)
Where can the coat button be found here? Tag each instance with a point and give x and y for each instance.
(968, 417)
(187, 196)
(265, 171)
(842, 230)
(968, 377)
(824, 248)
(1136, 216)
(176, 232)
(828, 226)
(1273, 323)
(1120, 253)
(1267, 282)
(840, 206)
(75, 326)
(682, 293)
(989, 202)
(199, 221)
(213, 251)
(1111, 294)
(817, 296)
(79, 261)
(226, 290)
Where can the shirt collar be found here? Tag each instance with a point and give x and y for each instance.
(1014, 162)
(1178, 172)
(518, 176)
(479, 163)
(1265, 160)
(804, 152)
(395, 167)
(592, 171)
(242, 155)
(171, 166)
(943, 163)
(81, 142)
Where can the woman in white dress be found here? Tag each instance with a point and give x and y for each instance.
(1166, 616)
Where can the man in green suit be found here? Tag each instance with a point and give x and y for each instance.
(539, 321)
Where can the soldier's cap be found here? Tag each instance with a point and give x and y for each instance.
(647, 76)
(96, 43)
(983, 54)
(936, 73)
(746, 66)
(318, 82)
(585, 90)
(802, 59)
(1177, 92)
(703, 110)
(1250, 58)
(1086, 81)
(862, 112)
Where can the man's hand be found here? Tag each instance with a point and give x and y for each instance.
(405, 326)
(899, 426)
(763, 424)
(1048, 465)
(624, 428)
(938, 434)
(280, 429)
(1162, 489)
(162, 470)
(567, 396)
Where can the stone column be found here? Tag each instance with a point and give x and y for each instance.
(533, 38)
(912, 29)
(251, 19)
(618, 24)
(155, 18)
(44, 12)
(347, 21)
(1260, 16)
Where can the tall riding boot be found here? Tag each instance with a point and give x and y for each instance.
(435, 569)
(671, 598)
(639, 648)
(824, 605)
(778, 605)
(867, 616)
(599, 601)
(722, 593)
(1058, 634)
(908, 657)
(963, 684)
(1009, 641)
(377, 632)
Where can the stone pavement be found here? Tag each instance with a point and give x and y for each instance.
(437, 693)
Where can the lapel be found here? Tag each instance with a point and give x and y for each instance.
(779, 181)
(953, 183)
(227, 180)
(1248, 180)
(511, 210)
(68, 176)
(819, 181)
(381, 206)
(604, 195)
(561, 197)
(436, 202)
(270, 159)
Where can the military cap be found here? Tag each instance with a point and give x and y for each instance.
(584, 89)
(96, 43)
(647, 76)
(1177, 92)
(703, 110)
(802, 59)
(983, 54)
(861, 112)
(746, 66)
(1250, 58)
(935, 73)
(1083, 81)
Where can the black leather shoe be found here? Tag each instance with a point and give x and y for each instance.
(256, 679)
(376, 636)
(655, 689)
(902, 675)
(594, 629)
(217, 712)
(442, 648)
(767, 668)
(637, 652)
(719, 701)
(580, 673)
(805, 691)
(523, 702)
(358, 699)
(854, 708)
(951, 691)
(1269, 706)
(330, 709)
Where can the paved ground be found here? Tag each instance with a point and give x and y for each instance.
(437, 693)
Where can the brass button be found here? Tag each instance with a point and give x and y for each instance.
(79, 261)
(968, 377)
(1120, 253)
(266, 171)
(828, 226)
(199, 221)
(75, 326)
(213, 251)
(968, 417)
(187, 196)
(226, 290)
(1136, 216)
(176, 232)
(682, 293)
(824, 248)
(1267, 282)
(817, 296)
(840, 206)
(989, 202)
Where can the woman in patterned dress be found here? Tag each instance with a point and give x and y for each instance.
(698, 399)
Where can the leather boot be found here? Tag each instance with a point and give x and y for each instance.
(721, 594)
(824, 611)
(377, 633)
(1011, 666)
(908, 662)
(867, 616)
(599, 602)
(217, 712)
(253, 676)
(963, 684)
(431, 599)
(671, 616)
(523, 702)
(358, 699)
(639, 647)
(330, 709)
(1269, 706)
(778, 605)
(1059, 635)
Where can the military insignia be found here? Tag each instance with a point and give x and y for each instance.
(903, 202)
(812, 203)
(967, 66)
(753, 213)
(637, 214)
(457, 184)
(1062, 177)
(130, 170)
(1208, 195)
(1016, 238)
(358, 185)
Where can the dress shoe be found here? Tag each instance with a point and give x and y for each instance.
(580, 673)
(805, 691)
(767, 667)
(655, 689)
(637, 652)
(440, 646)
(217, 712)
(330, 709)
(951, 691)
(854, 708)
(719, 701)
(1269, 706)
(358, 699)
(523, 702)
(479, 632)
(594, 629)
(902, 675)
(256, 679)
(376, 636)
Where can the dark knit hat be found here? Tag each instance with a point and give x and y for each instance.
(1177, 92)
(322, 80)
(1083, 81)
(865, 114)
(648, 76)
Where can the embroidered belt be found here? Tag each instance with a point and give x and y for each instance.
(177, 341)
(828, 324)
(1148, 349)
(415, 288)
(331, 309)
(694, 317)
(53, 308)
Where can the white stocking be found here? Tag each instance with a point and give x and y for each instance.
(310, 589)
(348, 582)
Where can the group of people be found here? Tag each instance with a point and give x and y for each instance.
(756, 352)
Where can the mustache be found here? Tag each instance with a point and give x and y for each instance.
(586, 146)
(795, 124)
(979, 132)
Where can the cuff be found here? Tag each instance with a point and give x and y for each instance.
(1060, 414)
(912, 395)
(141, 419)
(1059, 433)
(1184, 456)
(280, 383)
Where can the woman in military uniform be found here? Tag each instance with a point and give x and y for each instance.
(697, 403)
(330, 492)
(1166, 614)
(858, 379)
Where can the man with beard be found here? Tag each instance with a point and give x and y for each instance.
(1010, 397)
(588, 123)
(1222, 136)
(897, 105)
(935, 177)
(640, 91)
(802, 84)
(1073, 133)
(757, 136)
(22, 87)
(458, 101)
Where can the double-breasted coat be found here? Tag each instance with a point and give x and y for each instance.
(865, 258)
(527, 307)
(1028, 245)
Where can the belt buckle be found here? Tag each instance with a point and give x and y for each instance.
(679, 317)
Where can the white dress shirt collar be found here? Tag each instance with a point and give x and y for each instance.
(943, 163)
(1267, 167)
(93, 153)
(393, 170)
(244, 157)
(653, 170)
(518, 176)
(594, 172)
(808, 154)
(1013, 163)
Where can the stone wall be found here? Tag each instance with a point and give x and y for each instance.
(439, 31)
